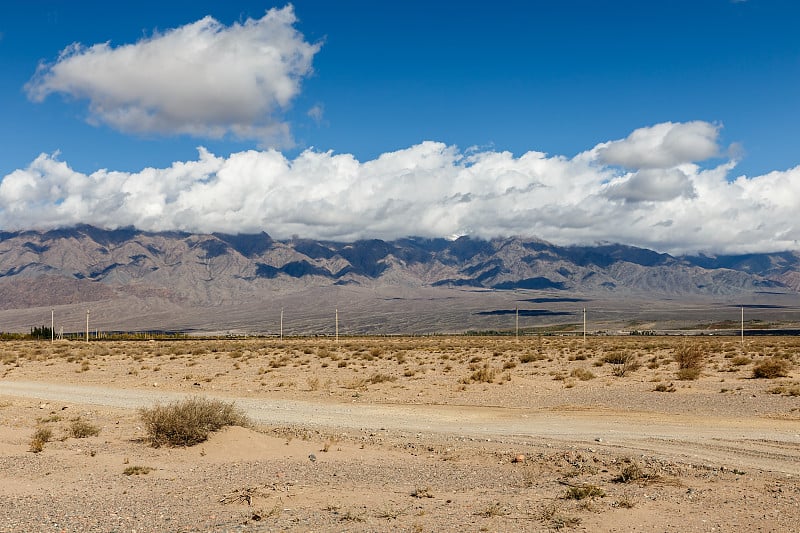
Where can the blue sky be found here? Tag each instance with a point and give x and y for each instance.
(480, 79)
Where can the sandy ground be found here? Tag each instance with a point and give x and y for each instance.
(406, 434)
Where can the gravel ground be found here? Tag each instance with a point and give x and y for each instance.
(420, 452)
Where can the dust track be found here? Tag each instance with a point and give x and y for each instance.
(743, 443)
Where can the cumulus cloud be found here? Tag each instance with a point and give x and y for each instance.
(651, 185)
(664, 145)
(203, 79)
(429, 189)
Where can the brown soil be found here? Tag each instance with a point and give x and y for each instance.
(406, 434)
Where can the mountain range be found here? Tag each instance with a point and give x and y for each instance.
(137, 275)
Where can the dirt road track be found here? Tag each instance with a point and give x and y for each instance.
(766, 444)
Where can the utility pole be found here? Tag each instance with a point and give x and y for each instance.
(584, 325)
(516, 325)
(281, 322)
(87, 325)
(52, 325)
(337, 326)
(742, 325)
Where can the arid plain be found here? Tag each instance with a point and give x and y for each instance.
(435, 433)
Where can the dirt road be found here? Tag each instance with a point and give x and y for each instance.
(737, 443)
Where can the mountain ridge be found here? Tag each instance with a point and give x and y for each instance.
(122, 256)
(192, 271)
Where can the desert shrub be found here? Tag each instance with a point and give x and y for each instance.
(491, 510)
(631, 472)
(582, 374)
(616, 358)
(357, 384)
(40, 437)
(380, 378)
(376, 352)
(484, 374)
(774, 367)
(786, 389)
(81, 429)
(688, 374)
(189, 422)
(529, 357)
(557, 521)
(691, 359)
(137, 470)
(663, 387)
(623, 364)
(313, 383)
(584, 491)
(422, 492)
(626, 502)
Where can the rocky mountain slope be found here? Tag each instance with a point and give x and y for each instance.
(190, 271)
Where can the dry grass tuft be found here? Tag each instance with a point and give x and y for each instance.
(422, 492)
(691, 359)
(492, 510)
(137, 470)
(623, 363)
(774, 367)
(381, 378)
(189, 422)
(584, 491)
(632, 472)
(485, 374)
(582, 374)
(80, 429)
(40, 437)
(552, 516)
(663, 387)
(786, 389)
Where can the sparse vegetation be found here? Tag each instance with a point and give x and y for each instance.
(625, 502)
(786, 389)
(484, 374)
(380, 378)
(422, 492)
(562, 487)
(582, 374)
(137, 470)
(774, 367)
(80, 429)
(552, 516)
(491, 510)
(664, 387)
(189, 422)
(631, 472)
(584, 491)
(623, 363)
(691, 359)
(40, 437)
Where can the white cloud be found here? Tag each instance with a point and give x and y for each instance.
(203, 79)
(429, 189)
(651, 185)
(664, 145)
(316, 113)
